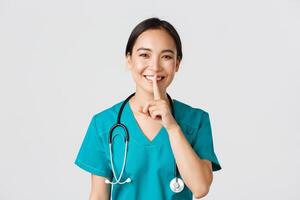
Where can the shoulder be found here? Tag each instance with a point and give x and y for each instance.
(189, 115)
(106, 117)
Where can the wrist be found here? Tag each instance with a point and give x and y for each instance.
(173, 128)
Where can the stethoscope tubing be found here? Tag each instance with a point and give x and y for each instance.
(174, 184)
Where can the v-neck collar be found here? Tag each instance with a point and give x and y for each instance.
(136, 133)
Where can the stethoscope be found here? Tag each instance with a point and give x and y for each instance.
(176, 184)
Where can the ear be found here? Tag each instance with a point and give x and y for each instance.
(177, 64)
(128, 61)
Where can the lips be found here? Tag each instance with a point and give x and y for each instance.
(151, 77)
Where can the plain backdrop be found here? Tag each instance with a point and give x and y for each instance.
(63, 61)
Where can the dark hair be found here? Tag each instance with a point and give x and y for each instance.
(153, 23)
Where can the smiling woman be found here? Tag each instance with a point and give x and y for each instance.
(154, 53)
(168, 151)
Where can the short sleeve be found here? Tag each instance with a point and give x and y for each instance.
(91, 156)
(203, 145)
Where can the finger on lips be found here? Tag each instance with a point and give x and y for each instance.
(156, 91)
(156, 94)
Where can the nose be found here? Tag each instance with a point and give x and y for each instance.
(155, 65)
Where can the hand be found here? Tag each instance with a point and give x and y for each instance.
(158, 108)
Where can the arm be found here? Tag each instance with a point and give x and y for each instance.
(196, 173)
(99, 189)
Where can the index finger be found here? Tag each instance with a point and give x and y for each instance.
(156, 90)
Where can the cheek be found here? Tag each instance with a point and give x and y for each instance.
(168, 64)
(139, 67)
(170, 67)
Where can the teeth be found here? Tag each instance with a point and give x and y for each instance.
(152, 77)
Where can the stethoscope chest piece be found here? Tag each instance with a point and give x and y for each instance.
(176, 185)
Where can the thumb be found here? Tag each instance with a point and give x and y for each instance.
(141, 111)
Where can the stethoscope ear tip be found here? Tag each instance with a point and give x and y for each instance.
(107, 181)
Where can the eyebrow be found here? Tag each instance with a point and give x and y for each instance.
(163, 51)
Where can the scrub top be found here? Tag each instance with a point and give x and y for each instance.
(149, 164)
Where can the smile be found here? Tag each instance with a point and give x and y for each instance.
(151, 77)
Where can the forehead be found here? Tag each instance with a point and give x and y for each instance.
(156, 39)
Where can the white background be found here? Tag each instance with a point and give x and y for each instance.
(62, 61)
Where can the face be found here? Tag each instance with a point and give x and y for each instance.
(154, 53)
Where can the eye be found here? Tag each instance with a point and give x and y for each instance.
(167, 57)
(144, 55)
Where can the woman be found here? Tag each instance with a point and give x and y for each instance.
(170, 153)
